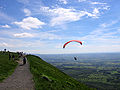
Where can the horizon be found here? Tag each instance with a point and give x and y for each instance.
(76, 53)
(44, 26)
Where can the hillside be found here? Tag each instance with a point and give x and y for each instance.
(48, 77)
(7, 66)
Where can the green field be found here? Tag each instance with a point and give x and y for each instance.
(48, 77)
(7, 66)
(103, 75)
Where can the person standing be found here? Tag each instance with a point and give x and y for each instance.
(13, 56)
(24, 60)
(5, 50)
(9, 56)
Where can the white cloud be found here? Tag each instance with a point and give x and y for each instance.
(23, 1)
(94, 14)
(40, 35)
(20, 43)
(102, 36)
(59, 15)
(104, 25)
(4, 17)
(50, 36)
(62, 15)
(100, 6)
(106, 7)
(52, 31)
(118, 30)
(22, 35)
(30, 22)
(81, 0)
(27, 12)
(5, 26)
(95, 11)
(4, 44)
(63, 1)
(97, 3)
(100, 48)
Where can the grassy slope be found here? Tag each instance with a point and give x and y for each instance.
(48, 77)
(6, 66)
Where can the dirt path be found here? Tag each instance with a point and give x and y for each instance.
(21, 79)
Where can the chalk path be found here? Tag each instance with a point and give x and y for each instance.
(21, 79)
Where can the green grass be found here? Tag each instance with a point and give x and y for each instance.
(48, 77)
(7, 67)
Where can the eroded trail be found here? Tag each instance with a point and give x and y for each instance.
(21, 79)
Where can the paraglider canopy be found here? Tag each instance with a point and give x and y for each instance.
(72, 41)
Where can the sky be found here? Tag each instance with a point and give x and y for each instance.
(43, 26)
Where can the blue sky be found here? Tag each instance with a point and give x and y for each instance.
(43, 26)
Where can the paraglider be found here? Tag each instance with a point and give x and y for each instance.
(72, 41)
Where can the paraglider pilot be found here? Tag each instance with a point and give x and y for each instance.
(75, 58)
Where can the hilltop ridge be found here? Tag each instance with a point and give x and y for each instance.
(48, 77)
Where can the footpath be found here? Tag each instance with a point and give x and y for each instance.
(21, 79)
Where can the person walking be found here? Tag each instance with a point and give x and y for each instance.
(13, 56)
(24, 60)
(9, 56)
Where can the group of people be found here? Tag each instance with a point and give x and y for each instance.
(11, 56)
(21, 56)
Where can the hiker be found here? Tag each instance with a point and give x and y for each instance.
(24, 60)
(9, 56)
(13, 56)
(4, 50)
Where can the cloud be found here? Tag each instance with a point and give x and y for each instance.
(27, 12)
(104, 25)
(62, 15)
(81, 0)
(118, 30)
(20, 43)
(94, 14)
(4, 17)
(30, 22)
(40, 35)
(49, 36)
(4, 44)
(95, 11)
(100, 48)
(57, 15)
(97, 3)
(52, 31)
(102, 36)
(23, 35)
(5, 26)
(23, 1)
(63, 1)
